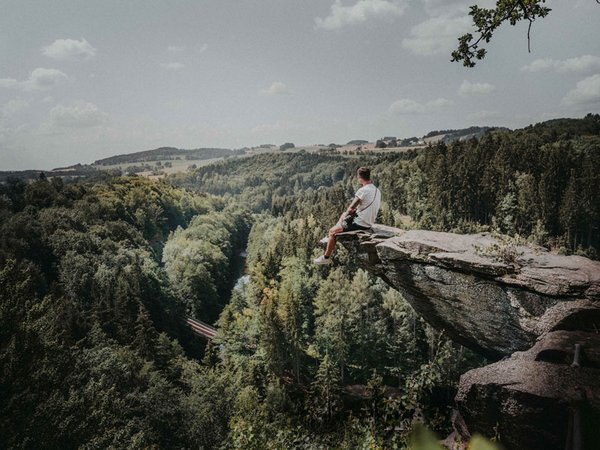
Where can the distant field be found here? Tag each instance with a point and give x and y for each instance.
(181, 165)
(178, 165)
(365, 148)
(370, 147)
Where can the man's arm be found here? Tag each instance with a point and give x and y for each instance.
(353, 205)
(350, 209)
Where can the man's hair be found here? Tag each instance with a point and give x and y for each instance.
(364, 173)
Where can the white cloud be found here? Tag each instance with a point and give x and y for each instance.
(10, 83)
(468, 88)
(202, 48)
(585, 94)
(436, 35)
(447, 21)
(446, 7)
(408, 106)
(276, 88)
(175, 48)
(363, 10)
(174, 66)
(581, 64)
(480, 117)
(13, 107)
(39, 79)
(278, 125)
(69, 49)
(538, 65)
(77, 115)
(453, 7)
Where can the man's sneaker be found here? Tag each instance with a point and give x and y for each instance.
(322, 260)
(325, 240)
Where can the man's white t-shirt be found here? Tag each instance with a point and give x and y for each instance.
(367, 194)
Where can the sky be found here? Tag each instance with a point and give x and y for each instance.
(80, 81)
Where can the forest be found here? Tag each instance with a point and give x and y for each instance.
(98, 275)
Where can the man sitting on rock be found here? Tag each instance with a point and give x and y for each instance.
(355, 218)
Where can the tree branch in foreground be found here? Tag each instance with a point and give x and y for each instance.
(487, 21)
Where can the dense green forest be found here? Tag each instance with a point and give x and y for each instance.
(97, 276)
(539, 183)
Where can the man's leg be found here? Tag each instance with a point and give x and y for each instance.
(331, 243)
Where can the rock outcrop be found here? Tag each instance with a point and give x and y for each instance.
(502, 300)
(492, 297)
(531, 397)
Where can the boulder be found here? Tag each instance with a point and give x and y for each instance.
(529, 399)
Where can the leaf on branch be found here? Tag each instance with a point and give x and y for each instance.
(486, 21)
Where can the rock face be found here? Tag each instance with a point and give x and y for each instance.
(491, 297)
(499, 300)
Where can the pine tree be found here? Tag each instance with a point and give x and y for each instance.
(362, 317)
(527, 201)
(406, 347)
(332, 304)
(293, 309)
(272, 339)
(145, 339)
(326, 390)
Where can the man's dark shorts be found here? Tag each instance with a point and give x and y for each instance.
(353, 226)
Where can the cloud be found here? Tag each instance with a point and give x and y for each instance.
(175, 48)
(581, 64)
(408, 106)
(39, 79)
(483, 116)
(279, 125)
(69, 49)
(448, 8)
(447, 21)
(585, 94)
(538, 65)
(276, 88)
(79, 114)
(363, 10)
(174, 66)
(468, 88)
(13, 107)
(436, 35)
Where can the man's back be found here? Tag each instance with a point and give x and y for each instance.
(368, 208)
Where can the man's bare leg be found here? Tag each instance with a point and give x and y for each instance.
(331, 243)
